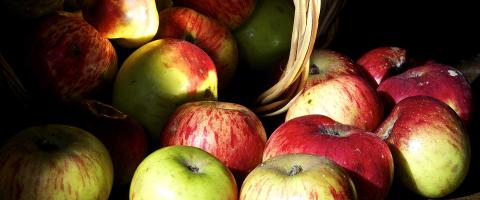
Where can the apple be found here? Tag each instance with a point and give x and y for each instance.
(160, 76)
(205, 32)
(124, 137)
(231, 13)
(55, 162)
(348, 99)
(266, 36)
(182, 172)
(130, 23)
(326, 64)
(362, 154)
(229, 131)
(69, 59)
(381, 62)
(429, 144)
(298, 176)
(439, 81)
(29, 9)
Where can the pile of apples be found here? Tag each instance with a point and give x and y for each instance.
(164, 131)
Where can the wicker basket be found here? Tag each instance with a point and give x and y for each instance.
(313, 18)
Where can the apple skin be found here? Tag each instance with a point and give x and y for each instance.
(298, 176)
(381, 62)
(348, 99)
(124, 138)
(69, 59)
(327, 64)
(265, 38)
(131, 23)
(229, 131)
(365, 156)
(429, 144)
(160, 76)
(231, 13)
(55, 162)
(439, 81)
(205, 32)
(182, 172)
(29, 9)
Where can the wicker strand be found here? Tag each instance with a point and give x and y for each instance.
(290, 85)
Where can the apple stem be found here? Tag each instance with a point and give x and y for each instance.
(194, 169)
(296, 169)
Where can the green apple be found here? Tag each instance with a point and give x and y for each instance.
(182, 173)
(55, 162)
(298, 176)
(160, 76)
(266, 36)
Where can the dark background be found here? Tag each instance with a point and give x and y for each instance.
(446, 31)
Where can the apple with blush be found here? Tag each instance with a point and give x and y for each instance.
(348, 99)
(430, 146)
(365, 157)
(382, 62)
(327, 64)
(182, 172)
(55, 162)
(130, 23)
(231, 13)
(69, 59)
(160, 76)
(298, 176)
(433, 79)
(229, 131)
(205, 32)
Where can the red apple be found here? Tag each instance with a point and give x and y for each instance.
(380, 63)
(229, 131)
(365, 156)
(123, 137)
(232, 13)
(429, 144)
(69, 59)
(205, 32)
(160, 76)
(130, 23)
(327, 64)
(348, 99)
(298, 176)
(439, 81)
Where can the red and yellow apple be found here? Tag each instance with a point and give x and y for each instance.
(55, 162)
(365, 156)
(327, 64)
(129, 23)
(160, 76)
(214, 38)
(348, 99)
(69, 59)
(429, 144)
(229, 131)
(231, 13)
(382, 62)
(436, 80)
(298, 176)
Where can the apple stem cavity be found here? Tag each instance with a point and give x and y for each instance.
(294, 170)
(46, 145)
(193, 169)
